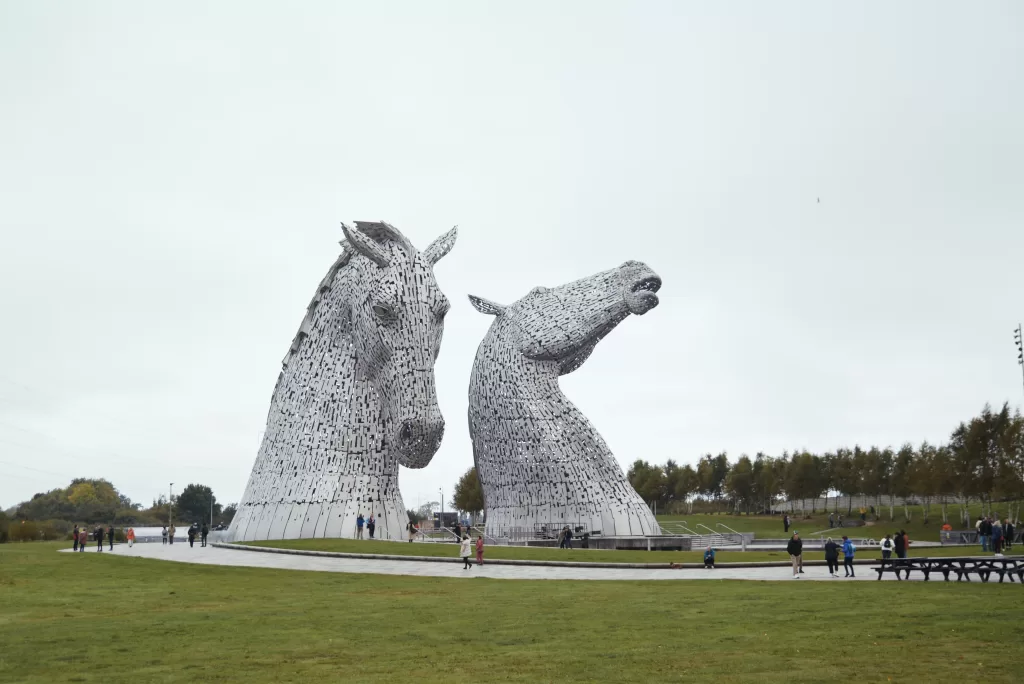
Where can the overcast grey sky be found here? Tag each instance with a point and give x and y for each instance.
(172, 180)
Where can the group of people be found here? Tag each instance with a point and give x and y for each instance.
(80, 536)
(795, 549)
(994, 535)
(465, 550)
(900, 543)
(195, 531)
(369, 523)
(835, 520)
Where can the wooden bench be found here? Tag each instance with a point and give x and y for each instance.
(983, 566)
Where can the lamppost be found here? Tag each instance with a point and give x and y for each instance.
(211, 509)
(170, 504)
(1018, 338)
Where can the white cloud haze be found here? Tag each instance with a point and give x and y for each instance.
(172, 179)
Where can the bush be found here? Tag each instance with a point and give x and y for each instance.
(4, 523)
(30, 530)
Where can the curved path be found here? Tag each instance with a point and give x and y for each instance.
(180, 552)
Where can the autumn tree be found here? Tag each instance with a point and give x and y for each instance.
(469, 495)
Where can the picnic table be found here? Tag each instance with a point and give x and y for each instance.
(982, 566)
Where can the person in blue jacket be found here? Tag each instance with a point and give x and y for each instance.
(848, 550)
(709, 557)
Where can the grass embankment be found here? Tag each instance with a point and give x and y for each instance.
(770, 526)
(578, 555)
(110, 619)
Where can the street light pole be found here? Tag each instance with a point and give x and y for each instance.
(170, 505)
(211, 509)
(1018, 338)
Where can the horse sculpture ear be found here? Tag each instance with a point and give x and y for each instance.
(486, 306)
(365, 245)
(441, 246)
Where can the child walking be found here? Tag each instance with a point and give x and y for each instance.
(464, 552)
(480, 550)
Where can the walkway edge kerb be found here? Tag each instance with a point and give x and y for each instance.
(505, 561)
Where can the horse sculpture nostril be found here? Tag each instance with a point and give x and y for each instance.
(405, 435)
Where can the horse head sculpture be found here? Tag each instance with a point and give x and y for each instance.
(540, 461)
(396, 319)
(356, 395)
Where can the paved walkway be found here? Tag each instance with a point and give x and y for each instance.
(216, 556)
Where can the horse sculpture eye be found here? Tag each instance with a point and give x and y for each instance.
(383, 311)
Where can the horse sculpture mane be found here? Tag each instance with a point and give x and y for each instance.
(540, 461)
(355, 397)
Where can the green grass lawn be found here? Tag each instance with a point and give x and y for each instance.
(579, 555)
(99, 618)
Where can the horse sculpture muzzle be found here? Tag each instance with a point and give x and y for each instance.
(418, 439)
(639, 285)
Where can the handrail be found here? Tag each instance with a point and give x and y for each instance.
(707, 528)
(728, 528)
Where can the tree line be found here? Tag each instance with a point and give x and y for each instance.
(97, 501)
(983, 461)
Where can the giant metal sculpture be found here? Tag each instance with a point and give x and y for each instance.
(540, 461)
(356, 395)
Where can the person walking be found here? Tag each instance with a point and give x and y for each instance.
(1008, 533)
(997, 537)
(785, 523)
(709, 558)
(464, 552)
(171, 532)
(371, 525)
(360, 521)
(906, 543)
(74, 534)
(848, 551)
(832, 557)
(99, 539)
(83, 539)
(831, 520)
(980, 528)
(411, 529)
(205, 532)
(110, 536)
(163, 534)
(795, 549)
(479, 550)
(899, 545)
(458, 530)
(568, 538)
(130, 536)
(887, 547)
(191, 535)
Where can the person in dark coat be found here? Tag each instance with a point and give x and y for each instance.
(832, 557)
(99, 539)
(899, 542)
(110, 536)
(206, 533)
(1008, 533)
(191, 535)
(76, 537)
(795, 549)
(709, 558)
(371, 525)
